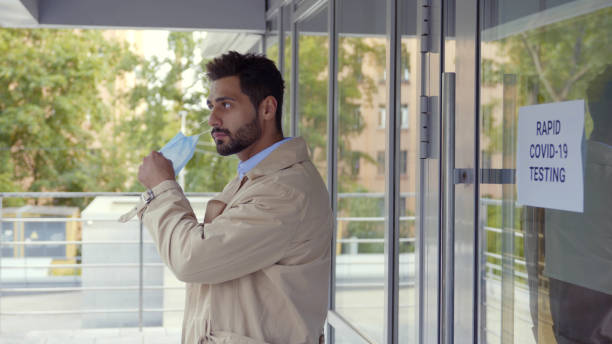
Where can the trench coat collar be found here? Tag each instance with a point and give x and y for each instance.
(289, 153)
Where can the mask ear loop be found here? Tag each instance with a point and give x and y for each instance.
(205, 121)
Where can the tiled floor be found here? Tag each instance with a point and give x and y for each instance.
(149, 335)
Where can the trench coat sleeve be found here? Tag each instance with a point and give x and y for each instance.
(251, 234)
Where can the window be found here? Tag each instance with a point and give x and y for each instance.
(355, 165)
(311, 102)
(357, 119)
(380, 162)
(361, 208)
(405, 119)
(402, 206)
(406, 75)
(382, 117)
(403, 162)
(405, 64)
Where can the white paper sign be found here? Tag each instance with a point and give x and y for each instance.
(549, 155)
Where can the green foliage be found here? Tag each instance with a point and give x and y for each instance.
(313, 86)
(355, 90)
(287, 96)
(493, 240)
(162, 93)
(553, 63)
(69, 121)
(364, 207)
(53, 86)
(563, 57)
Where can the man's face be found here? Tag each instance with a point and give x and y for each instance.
(233, 118)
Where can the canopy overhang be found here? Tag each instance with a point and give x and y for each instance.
(245, 16)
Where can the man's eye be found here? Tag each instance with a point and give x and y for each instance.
(225, 105)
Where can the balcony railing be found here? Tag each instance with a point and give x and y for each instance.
(70, 280)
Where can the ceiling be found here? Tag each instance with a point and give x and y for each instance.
(245, 16)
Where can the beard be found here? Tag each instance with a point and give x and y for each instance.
(245, 136)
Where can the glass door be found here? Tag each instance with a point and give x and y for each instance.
(362, 108)
(458, 171)
(545, 224)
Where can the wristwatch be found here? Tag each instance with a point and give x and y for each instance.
(147, 196)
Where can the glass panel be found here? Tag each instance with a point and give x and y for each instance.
(362, 92)
(287, 71)
(313, 85)
(545, 272)
(78, 113)
(408, 313)
(346, 338)
(272, 39)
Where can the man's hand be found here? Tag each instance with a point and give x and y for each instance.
(213, 209)
(154, 170)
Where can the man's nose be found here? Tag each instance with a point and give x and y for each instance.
(213, 119)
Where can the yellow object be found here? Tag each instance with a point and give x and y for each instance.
(64, 271)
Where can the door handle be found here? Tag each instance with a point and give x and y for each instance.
(448, 205)
(485, 176)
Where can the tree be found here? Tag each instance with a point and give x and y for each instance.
(167, 87)
(553, 63)
(356, 87)
(563, 56)
(55, 87)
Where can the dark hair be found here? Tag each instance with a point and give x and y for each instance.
(258, 76)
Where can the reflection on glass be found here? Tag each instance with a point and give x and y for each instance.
(408, 165)
(313, 81)
(287, 72)
(272, 40)
(80, 110)
(361, 208)
(273, 53)
(545, 275)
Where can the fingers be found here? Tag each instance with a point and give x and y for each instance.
(155, 155)
(151, 155)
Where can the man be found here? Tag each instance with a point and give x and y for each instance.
(578, 246)
(257, 269)
(572, 249)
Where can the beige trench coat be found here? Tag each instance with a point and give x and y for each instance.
(259, 272)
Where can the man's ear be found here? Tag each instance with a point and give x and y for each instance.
(267, 108)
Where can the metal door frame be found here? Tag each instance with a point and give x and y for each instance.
(459, 299)
(429, 274)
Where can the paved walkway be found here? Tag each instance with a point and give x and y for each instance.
(149, 335)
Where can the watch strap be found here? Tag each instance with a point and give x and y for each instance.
(147, 196)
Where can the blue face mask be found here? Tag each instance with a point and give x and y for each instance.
(180, 150)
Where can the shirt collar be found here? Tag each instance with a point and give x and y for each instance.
(245, 166)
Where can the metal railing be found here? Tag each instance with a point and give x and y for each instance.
(79, 264)
(354, 243)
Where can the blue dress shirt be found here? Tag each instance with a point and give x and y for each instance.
(245, 166)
